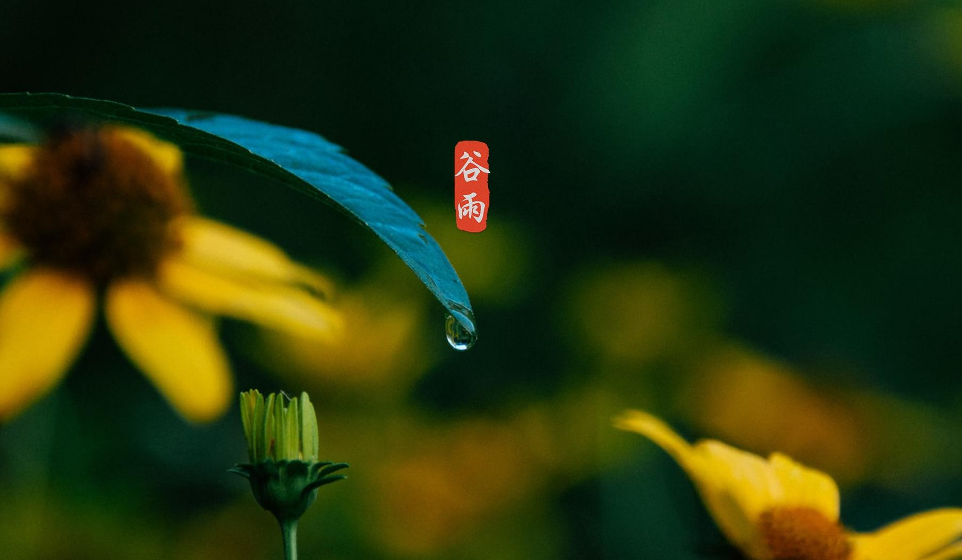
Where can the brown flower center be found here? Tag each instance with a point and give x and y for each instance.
(801, 533)
(96, 204)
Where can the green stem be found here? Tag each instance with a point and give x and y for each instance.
(289, 532)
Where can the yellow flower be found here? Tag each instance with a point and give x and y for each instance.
(778, 509)
(105, 212)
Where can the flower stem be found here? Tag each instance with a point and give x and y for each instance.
(289, 533)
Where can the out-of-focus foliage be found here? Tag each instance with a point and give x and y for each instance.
(742, 215)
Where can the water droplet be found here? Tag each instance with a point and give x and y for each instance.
(459, 329)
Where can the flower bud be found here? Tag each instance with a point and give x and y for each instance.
(282, 442)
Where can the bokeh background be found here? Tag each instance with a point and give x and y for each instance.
(741, 215)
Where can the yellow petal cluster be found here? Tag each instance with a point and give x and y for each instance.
(778, 509)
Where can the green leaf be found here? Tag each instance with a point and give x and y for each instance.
(17, 130)
(297, 158)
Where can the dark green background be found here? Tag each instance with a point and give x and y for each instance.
(804, 157)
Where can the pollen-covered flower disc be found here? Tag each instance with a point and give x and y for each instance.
(778, 509)
(106, 210)
(96, 203)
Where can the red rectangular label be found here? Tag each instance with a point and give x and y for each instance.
(471, 195)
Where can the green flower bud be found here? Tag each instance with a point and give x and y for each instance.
(284, 472)
(277, 431)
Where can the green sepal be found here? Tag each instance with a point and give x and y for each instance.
(239, 472)
(287, 488)
(331, 468)
(312, 487)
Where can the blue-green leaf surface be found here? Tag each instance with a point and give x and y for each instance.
(297, 158)
(13, 129)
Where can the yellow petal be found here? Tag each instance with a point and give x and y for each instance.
(736, 486)
(745, 486)
(232, 252)
(805, 487)
(177, 349)
(15, 160)
(44, 320)
(659, 432)
(953, 552)
(280, 307)
(912, 538)
(165, 155)
(9, 251)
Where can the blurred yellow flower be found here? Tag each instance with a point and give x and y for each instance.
(778, 509)
(805, 420)
(945, 37)
(380, 352)
(457, 478)
(497, 267)
(106, 211)
(854, 432)
(639, 312)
